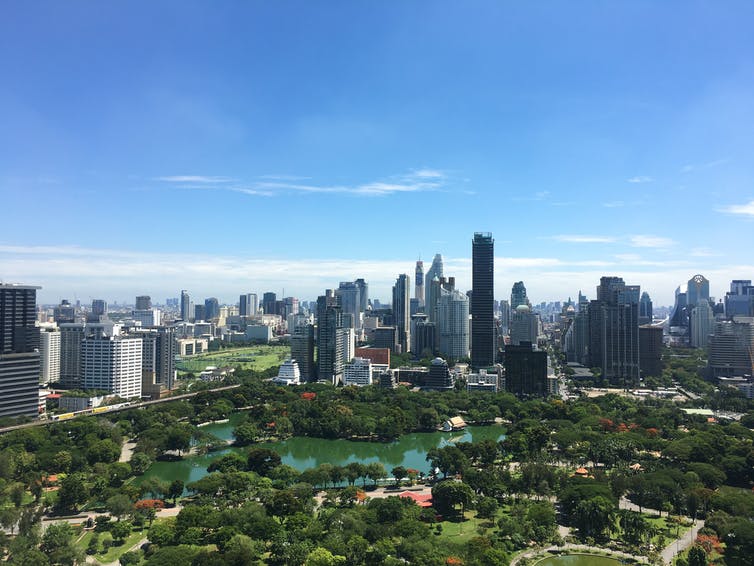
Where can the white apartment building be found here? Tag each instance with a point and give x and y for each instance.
(358, 372)
(49, 353)
(112, 364)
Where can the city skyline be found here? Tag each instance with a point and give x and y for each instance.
(256, 147)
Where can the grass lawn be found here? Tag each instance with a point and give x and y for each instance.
(256, 358)
(669, 529)
(460, 532)
(114, 552)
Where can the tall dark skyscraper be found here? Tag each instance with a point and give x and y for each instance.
(211, 308)
(143, 303)
(330, 339)
(518, 295)
(614, 330)
(19, 355)
(402, 311)
(482, 301)
(269, 303)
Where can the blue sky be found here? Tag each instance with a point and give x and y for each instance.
(147, 147)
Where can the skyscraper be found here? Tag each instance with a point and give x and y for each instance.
(49, 352)
(645, 309)
(419, 283)
(482, 301)
(697, 291)
(247, 305)
(614, 330)
(739, 301)
(186, 314)
(330, 339)
(113, 364)
(436, 269)
(99, 310)
(19, 355)
(269, 301)
(349, 294)
(518, 295)
(211, 308)
(402, 311)
(731, 348)
(453, 323)
(525, 370)
(302, 350)
(143, 303)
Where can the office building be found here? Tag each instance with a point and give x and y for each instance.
(98, 312)
(434, 273)
(302, 350)
(71, 336)
(701, 321)
(200, 313)
(419, 283)
(697, 290)
(143, 302)
(186, 310)
(650, 350)
(19, 351)
(483, 347)
(505, 317)
(439, 377)
(49, 356)
(525, 370)
(147, 317)
(402, 311)
(247, 305)
(330, 341)
(453, 322)
(518, 295)
(483, 381)
(358, 372)
(739, 301)
(614, 331)
(349, 296)
(731, 348)
(112, 364)
(211, 308)
(645, 309)
(524, 325)
(269, 303)
(64, 313)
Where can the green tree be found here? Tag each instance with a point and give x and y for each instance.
(119, 506)
(72, 492)
(447, 494)
(399, 472)
(697, 556)
(58, 545)
(175, 490)
(140, 463)
(130, 558)
(121, 530)
(323, 557)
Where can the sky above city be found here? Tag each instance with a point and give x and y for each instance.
(224, 148)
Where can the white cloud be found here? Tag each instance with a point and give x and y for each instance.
(583, 239)
(645, 241)
(696, 166)
(614, 204)
(746, 209)
(640, 179)
(194, 179)
(272, 185)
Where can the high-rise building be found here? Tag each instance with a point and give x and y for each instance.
(99, 311)
(269, 303)
(650, 350)
(158, 356)
(363, 294)
(113, 364)
(524, 325)
(614, 330)
(211, 308)
(577, 335)
(731, 348)
(439, 377)
(64, 313)
(147, 317)
(186, 311)
(518, 295)
(200, 312)
(697, 291)
(71, 336)
(143, 303)
(505, 317)
(645, 309)
(49, 354)
(701, 321)
(525, 370)
(330, 341)
(453, 323)
(246, 304)
(302, 350)
(402, 311)
(483, 347)
(419, 283)
(349, 295)
(19, 351)
(739, 301)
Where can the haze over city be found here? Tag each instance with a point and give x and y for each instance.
(257, 147)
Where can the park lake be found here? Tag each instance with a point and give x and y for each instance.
(301, 453)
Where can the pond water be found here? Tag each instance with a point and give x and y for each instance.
(409, 451)
(578, 560)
